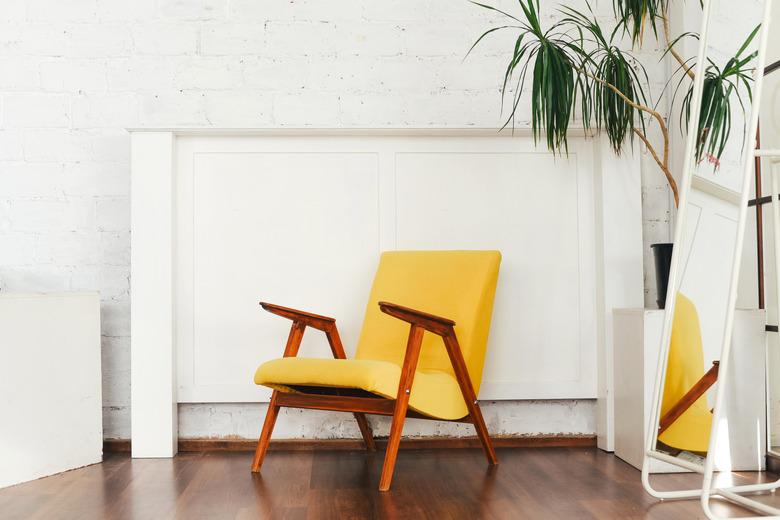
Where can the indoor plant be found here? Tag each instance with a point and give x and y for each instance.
(578, 70)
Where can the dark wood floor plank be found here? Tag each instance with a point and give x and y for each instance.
(154, 488)
(26, 500)
(437, 484)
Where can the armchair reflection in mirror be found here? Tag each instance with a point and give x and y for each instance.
(686, 417)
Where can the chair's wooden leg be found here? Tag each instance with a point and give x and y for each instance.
(482, 432)
(469, 396)
(365, 431)
(413, 344)
(393, 441)
(334, 340)
(265, 436)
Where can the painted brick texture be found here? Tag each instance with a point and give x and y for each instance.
(75, 73)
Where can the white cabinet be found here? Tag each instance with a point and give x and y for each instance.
(50, 384)
(637, 336)
(224, 218)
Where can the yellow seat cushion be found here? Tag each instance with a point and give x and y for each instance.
(431, 394)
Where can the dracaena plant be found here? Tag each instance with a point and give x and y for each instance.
(576, 68)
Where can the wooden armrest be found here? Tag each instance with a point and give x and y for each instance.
(429, 322)
(301, 320)
(690, 397)
(309, 319)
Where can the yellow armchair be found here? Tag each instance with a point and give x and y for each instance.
(398, 370)
(686, 419)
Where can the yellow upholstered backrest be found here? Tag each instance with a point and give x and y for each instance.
(459, 285)
(684, 368)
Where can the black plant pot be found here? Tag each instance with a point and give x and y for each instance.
(662, 253)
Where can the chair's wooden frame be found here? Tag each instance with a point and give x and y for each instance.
(420, 322)
(690, 397)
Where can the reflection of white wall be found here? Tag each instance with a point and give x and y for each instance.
(727, 33)
(728, 30)
(710, 234)
(749, 277)
(770, 138)
(770, 102)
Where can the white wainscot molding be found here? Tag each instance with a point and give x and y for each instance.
(225, 218)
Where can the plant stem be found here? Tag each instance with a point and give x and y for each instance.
(662, 163)
(672, 50)
(665, 164)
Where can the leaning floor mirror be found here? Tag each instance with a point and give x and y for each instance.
(709, 406)
(766, 230)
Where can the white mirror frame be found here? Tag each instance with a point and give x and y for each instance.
(707, 491)
(775, 195)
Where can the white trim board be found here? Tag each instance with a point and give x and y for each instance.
(389, 131)
(395, 180)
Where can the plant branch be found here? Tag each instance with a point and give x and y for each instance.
(672, 50)
(658, 117)
(661, 164)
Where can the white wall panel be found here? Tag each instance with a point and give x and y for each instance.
(301, 220)
(297, 229)
(542, 341)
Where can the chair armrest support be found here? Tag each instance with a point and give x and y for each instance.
(691, 396)
(443, 327)
(419, 322)
(423, 321)
(301, 320)
(307, 318)
(429, 322)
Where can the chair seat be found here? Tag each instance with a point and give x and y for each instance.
(434, 393)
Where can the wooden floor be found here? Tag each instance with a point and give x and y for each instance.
(536, 483)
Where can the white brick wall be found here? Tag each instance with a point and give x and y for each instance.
(73, 73)
(502, 418)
